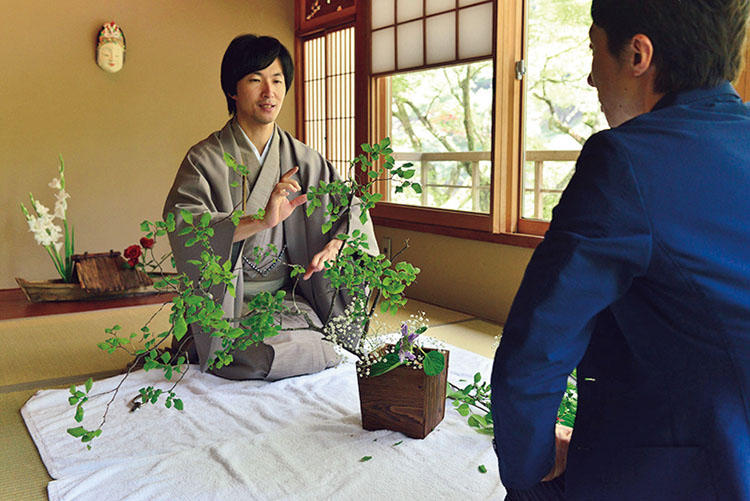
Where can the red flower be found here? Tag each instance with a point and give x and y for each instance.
(132, 254)
(147, 243)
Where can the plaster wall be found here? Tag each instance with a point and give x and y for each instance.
(122, 135)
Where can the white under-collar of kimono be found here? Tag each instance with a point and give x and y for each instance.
(260, 156)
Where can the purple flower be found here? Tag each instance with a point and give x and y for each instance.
(407, 343)
(402, 354)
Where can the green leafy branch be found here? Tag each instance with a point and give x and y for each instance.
(473, 401)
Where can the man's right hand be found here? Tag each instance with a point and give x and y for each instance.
(278, 208)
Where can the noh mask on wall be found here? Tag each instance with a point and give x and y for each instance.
(110, 48)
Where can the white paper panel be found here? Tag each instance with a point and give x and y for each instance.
(462, 3)
(475, 31)
(410, 44)
(383, 50)
(382, 13)
(408, 10)
(441, 38)
(434, 6)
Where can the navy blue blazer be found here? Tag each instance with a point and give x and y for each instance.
(643, 282)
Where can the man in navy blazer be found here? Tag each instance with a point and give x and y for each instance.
(643, 279)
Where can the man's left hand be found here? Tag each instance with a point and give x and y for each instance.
(329, 252)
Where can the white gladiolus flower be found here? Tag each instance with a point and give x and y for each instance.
(41, 209)
(61, 205)
(55, 184)
(34, 224)
(62, 195)
(45, 231)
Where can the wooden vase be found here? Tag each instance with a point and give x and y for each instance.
(404, 399)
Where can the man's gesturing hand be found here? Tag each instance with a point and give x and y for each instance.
(328, 253)
(279, 207)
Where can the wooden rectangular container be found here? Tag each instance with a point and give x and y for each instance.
(404, 399)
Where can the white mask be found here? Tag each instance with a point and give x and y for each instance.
(110, 49)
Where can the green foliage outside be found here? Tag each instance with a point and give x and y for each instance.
(562, 110)
(447, 109)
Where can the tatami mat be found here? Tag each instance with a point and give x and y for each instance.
(22, 476)
(49, 349)
(474, 335)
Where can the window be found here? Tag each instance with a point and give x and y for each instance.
(492, 166)
(328, 95)
(441, 121)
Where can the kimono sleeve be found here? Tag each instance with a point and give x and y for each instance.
(599, 240)
(201, 186)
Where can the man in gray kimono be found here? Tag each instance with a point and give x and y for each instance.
(256, 73)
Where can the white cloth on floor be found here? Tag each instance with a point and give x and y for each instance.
(298, 438)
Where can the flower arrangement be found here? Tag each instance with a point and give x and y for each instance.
(406, 351)
(59, 242)
(373, 282)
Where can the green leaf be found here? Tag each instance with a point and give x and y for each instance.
(79, 414)
(385, 364)
(184, 231)
(477, 377)
(482, 468)
(77, 432)
(177, 404)
(417, 187)
(398, 443)
(186, 216)
(205, 219)
(326, 226)
(180, 327)
(144, 226)
(434, 363)
(89, 384)
(365, 458)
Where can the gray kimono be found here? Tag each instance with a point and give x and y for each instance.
(204, 184)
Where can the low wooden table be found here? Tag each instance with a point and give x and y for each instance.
(13, 304)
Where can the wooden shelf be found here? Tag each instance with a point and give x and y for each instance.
(13, 304)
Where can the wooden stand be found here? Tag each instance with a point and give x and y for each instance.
(404, 399)
(97, 276)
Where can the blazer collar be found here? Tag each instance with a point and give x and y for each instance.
(723, 91)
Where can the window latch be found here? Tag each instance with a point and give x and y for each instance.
(520, 69)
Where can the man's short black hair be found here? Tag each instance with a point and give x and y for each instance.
(697, 43)
(247, 54)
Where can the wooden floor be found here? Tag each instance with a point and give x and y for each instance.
(54, 351)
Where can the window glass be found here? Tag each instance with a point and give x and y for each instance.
(441, 121)
(562, 110)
